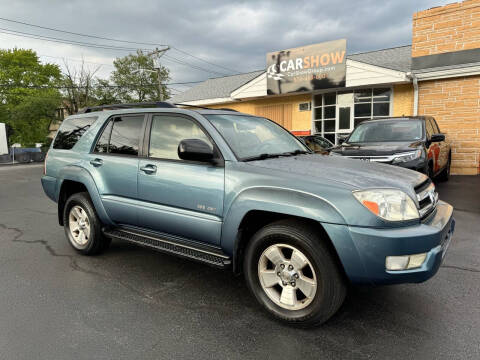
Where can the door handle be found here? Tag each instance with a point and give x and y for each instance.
(149, 169)
(96, 162)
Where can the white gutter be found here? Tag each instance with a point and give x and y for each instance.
(415, 92)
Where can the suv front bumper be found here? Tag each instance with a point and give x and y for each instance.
(363, 251)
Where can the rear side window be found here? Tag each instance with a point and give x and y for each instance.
(71, 131)
(121, 136)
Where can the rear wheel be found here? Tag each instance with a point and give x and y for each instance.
(82, 226)
(293, 274)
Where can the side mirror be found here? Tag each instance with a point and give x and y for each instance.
(195, 150)
(437, 138)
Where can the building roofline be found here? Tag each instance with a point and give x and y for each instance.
(371, 51)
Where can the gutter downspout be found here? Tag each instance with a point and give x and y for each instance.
(415, 92)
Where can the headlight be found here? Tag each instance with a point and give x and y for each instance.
(407, 156)
(389, 204)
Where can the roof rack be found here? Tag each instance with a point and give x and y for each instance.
(204, 107)
(157, 104)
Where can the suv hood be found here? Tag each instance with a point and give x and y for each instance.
(374, 149)
(357, 174)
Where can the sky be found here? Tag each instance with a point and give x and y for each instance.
(224, 37)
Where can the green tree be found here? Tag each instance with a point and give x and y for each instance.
(28, 95)
(104, 93)
(137, 79)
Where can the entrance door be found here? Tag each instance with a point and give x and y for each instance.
(344, 115)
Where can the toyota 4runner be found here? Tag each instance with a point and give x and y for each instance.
(238, 191)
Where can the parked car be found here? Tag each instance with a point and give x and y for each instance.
(412, 142)
(237, 191)
(317, 143)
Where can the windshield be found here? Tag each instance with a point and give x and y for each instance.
(250, 136)
(384, 131)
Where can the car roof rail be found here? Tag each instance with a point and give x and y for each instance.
(153, 104)
(204, 107)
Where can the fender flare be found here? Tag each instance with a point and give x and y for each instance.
(83, 176)
(276, 200)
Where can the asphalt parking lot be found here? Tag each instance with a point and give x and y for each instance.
(131, 303)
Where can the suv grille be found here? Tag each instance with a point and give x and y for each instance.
(427, 198)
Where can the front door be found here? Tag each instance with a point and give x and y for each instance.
(178, 197)
(114, 166)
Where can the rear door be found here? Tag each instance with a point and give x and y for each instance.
(114, 165)
(182, 198)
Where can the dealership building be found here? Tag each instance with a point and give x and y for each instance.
(319, 89)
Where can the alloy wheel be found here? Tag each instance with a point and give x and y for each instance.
(287, 276)
(79, 226)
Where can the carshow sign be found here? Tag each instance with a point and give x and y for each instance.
(307, 68)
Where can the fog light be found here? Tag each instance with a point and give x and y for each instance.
(405, 262)
(416, 260)
(397, 262)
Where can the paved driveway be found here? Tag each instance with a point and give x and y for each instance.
(130, 303)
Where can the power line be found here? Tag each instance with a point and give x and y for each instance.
(117, 40)
(78, 60)
(177, 61)
(98, 46)
(65, 41)
(92, 62)
(10, 86)
(208, 62)
(79, 34)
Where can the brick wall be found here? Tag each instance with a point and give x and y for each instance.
(455, 104)
(453, 27)
(402, 100)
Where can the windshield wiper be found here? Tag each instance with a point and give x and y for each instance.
(261, 157)
(270, 156)
(296, 152)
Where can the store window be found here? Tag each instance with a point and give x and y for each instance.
(337, 113)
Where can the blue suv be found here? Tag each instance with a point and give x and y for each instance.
(238, 191)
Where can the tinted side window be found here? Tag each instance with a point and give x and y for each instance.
(167, 132)
(71, 130)
(103, 141)
(125, 137)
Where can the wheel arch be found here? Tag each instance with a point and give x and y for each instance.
(257, 207)
(256, 219)
(74, 179)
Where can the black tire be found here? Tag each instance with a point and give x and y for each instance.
(430, 171)
(96, 242)
(331, 285)
(445, 174)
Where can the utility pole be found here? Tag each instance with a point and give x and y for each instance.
(157, 54)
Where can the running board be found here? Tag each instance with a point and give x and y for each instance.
(184, 248)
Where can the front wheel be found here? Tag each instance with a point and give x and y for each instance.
(293, 274)
(82, 226)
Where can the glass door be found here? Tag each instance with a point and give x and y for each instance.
(344, 116)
